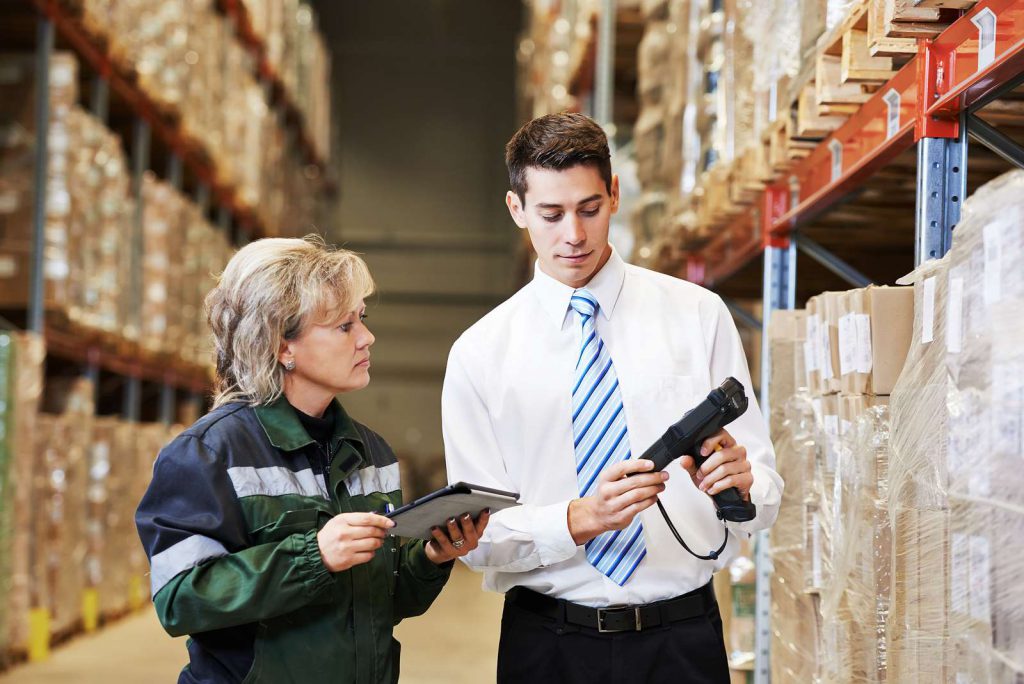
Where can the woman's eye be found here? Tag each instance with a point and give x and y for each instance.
(363, 317)
(345, 327)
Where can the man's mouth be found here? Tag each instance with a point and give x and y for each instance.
(576, 258)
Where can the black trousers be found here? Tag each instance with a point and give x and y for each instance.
(536, 650)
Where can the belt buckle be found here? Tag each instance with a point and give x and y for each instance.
(601, 612)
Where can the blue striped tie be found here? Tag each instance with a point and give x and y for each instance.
(600, 439)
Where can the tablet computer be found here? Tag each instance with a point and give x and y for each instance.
(434, 509)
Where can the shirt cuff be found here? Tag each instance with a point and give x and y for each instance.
(550, 531)
(763, 491)
(424, 569)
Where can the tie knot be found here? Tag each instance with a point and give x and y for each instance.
(583, 303)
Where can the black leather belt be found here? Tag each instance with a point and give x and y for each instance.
(615, 618)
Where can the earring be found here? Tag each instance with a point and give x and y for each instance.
(289, 365)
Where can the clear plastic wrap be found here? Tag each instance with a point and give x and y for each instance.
(29, 357)
(984, 315)
(855, 600)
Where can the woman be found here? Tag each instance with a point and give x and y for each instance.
(263, 522)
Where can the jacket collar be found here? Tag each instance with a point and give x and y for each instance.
(286, 432)
(605, 285)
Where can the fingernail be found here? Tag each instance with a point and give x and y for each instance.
(703, 451)
(466, 516)
(487, 511)
(451, 521)
(664, 476)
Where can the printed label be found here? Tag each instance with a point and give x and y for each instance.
(848, 356)
(836, 148)
(892, 115)
(928, 311)
(981, 588)
(864, 363)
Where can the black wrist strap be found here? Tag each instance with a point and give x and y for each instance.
(712, 555)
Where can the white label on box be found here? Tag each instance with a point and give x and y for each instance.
(864, 343)
(825, 350)
(8, 266)
(832, 426)
(847, 344)
(9, 202)
(981, 587)
(815, 551)
(955, 316)
(958, 561)
(811, 344)
(810, 358)
(928, 311)
(993, 237)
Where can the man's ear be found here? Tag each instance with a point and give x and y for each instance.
(515, 208)
(615, 193)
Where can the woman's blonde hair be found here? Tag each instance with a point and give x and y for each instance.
(269, 292)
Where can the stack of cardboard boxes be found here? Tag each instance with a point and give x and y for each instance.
(955, 480)
(70, 482)
(833, 367)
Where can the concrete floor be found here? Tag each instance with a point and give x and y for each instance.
(455, 643)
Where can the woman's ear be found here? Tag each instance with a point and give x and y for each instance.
(286, 355)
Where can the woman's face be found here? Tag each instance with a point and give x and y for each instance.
(333, 355)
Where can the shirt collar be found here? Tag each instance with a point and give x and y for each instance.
(286, 432)
(605, 286)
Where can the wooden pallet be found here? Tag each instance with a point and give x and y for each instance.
(894, 26)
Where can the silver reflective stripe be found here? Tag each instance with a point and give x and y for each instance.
(275, 481)
(371, 480)
(184, 555)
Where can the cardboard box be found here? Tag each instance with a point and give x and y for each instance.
(874, 330)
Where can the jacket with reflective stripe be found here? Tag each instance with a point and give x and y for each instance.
(229, 523)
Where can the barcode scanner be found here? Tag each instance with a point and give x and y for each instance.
(723, 405)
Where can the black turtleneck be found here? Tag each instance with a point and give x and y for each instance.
(321, 430)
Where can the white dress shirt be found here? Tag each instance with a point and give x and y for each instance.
(507, 421)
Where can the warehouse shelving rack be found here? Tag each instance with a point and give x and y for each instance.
(931, 102)
(97, 353)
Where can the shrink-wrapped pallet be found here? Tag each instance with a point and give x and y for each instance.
(855, 599)
(17, 169)
(59, 543)
(918, 504)
(27, 377)
(984, 310)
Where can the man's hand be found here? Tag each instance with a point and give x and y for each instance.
(726, 467)
(617, 499)
(457, 538)
(351, 539)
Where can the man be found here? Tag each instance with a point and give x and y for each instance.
(550, 395)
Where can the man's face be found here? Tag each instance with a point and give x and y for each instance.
(567, 214)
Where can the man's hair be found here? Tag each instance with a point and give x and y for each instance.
(557, 142)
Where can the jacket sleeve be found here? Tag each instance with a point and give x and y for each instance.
(419, 581)
(204, 574)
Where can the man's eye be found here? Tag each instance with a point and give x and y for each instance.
(590, 212)
(552, 218)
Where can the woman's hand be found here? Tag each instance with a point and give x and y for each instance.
(458, 538)
(351, 539)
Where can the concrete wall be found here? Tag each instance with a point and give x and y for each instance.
(424, 103)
